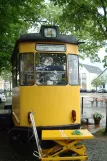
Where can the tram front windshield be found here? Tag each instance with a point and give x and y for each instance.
(48, 69)
(51, 69)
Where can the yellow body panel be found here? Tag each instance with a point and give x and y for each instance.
(52, 104)
(30, 47)
(65, 135)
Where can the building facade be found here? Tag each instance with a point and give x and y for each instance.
(87, 74)
(103, 76)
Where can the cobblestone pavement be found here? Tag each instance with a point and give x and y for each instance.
(97, 149)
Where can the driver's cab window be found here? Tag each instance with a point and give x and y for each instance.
(27, 69)
(51, 69)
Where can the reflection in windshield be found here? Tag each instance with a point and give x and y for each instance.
(51, 69)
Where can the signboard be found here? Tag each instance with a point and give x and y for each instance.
(49, 47)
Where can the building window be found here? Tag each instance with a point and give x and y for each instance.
(83, 75)
(83, 80)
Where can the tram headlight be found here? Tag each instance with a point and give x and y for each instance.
(74, 115)
(50, 31)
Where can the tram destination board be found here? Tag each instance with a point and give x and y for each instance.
(50, 47)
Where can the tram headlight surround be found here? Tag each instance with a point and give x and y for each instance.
(49, 31)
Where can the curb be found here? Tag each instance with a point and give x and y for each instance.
(93, 131)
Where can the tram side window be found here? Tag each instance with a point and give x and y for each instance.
(18, 70)
(73, 68)
(51, 69)
(27, 69)
(14, 75)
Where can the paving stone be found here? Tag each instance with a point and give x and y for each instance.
(96, 149)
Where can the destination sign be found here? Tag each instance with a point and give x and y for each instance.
(49, 47)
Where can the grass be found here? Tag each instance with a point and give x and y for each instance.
(101, 133)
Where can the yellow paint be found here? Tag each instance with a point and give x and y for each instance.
(52, 104)
(26, 47)
(65, 135)
(72, 49)
(30, 47)
(65, 141)
(81, 158)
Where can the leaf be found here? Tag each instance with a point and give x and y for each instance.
(87, 19)
(12, 22)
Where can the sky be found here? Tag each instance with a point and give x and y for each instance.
(101, 55)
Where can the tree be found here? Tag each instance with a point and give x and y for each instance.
(88, 19)
(98, 81)
(6, 76)
(12, 22)
(105, 61)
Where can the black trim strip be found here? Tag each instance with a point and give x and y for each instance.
(39, 128)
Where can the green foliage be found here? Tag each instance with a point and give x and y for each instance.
(88, 19)
(6, 75)
(105, 61)
(52, 14)
(98, 81)
(12, 22)
(98, 115)
(85, 19)
(101, 133)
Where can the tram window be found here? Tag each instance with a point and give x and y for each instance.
(17, 69)
(73, 68)
(51, 69)
(14, 74)
(27, 69)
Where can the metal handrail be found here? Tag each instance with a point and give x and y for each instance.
(36, 136)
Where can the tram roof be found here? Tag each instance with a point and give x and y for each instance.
(37, 37)
(32, 37)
